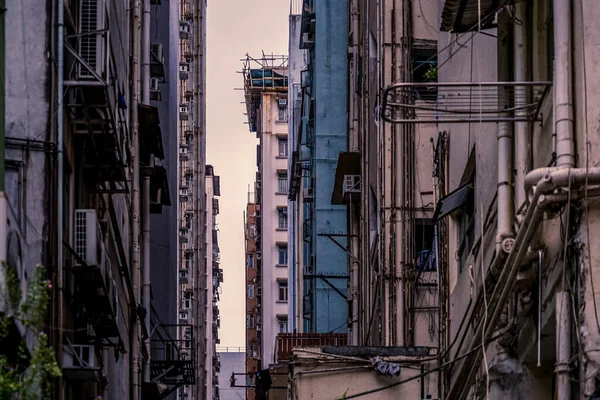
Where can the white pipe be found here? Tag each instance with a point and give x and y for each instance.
(146, 188)
(563, 345)
(505, 139)
(563, 96)
(135, 189)
(60, 171)
(522, 129)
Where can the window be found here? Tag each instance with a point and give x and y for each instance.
(424, 67)
(283, 324)
(183, 315)
(281, 114)
(282, 182)
(188, 261)
(424, 245)
(183, 273)
(282, 251)
(251, 261)
(283, 147)
(282, 222)
(187, 302)
(283, 290)
(250, 350)
(252, 230)
(250, 321)
(251, 291)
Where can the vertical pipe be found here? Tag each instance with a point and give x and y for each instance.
(135, 189)
(563, 345)
(3, 215)
(539, 316)
(522, 144)
(353, 146)
(60, 167)
(563, 95)
(505, 150)
(146, 188)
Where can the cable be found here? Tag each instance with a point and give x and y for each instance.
(412, 378)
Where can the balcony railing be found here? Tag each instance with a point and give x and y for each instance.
(286, 342)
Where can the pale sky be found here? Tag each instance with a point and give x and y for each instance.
(234, 28)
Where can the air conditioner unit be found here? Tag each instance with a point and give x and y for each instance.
(92, 44)
(308, 270)
(183, 191)
(282, 102)
(89, 244)
(307, 194)
(184, 112)
(184, 29)
(351, 183)
(184, 69)
(79, 356)
(154, 84)
(154, 91)
(183, 150)
(156, 53)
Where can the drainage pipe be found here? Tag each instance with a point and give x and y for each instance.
(563, 95)
(563, 345)
(522, 145)
(60, 67)
(506, 280)
(135, 194)
(505, 139)
(353, 146)
(146, 190)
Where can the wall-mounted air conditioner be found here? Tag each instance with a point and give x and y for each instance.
(183, 191)
(154, 90)
(184, 110)
(156, 53)
(89, 244)
(282, 103)
(184, 29)
(351, 183)
(79, 356)
(184, 70)
(92, 41)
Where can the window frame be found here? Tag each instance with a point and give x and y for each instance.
(282, 250)
(282, 183)
(282, 291)
(282, 218)
(282, 147)
(250, 290)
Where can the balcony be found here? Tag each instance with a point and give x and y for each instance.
(286, 342)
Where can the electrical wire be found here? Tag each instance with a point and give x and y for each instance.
(412, 378)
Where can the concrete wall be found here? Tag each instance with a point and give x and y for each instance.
(232, 360)
(272, 273)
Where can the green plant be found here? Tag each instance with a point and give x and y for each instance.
(34, 381)
(431, 74)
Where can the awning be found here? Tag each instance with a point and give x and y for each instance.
(150, 133)
(459, 16)
(452, 202)
(348, 164)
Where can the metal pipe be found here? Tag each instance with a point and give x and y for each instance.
(146, 189)
(3, 211)
(539, 319)
(563, 345)
(563, 96)
(60, 67)
(522, 145)
(505, 139)
(353, 146)
(135, 193)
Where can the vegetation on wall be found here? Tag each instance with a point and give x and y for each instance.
(30, 375)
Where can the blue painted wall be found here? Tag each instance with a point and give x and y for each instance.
(330, 80)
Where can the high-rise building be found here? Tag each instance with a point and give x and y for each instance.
(266, 85)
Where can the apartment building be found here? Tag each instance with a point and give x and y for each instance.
(195, 234)
(265, 86)
(91, 186)
(470, 186)
(319, 124)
